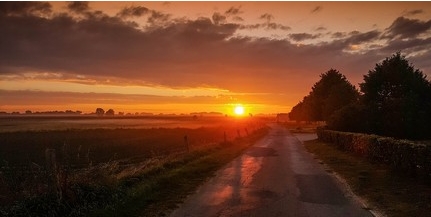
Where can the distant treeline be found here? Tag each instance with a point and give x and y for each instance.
(394, 100)
(110, 112)
(29, 112)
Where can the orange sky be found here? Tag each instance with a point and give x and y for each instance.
(182, 57)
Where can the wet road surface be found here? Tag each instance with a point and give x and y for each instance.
(275, 177)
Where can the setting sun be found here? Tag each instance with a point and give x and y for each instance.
(239, 110)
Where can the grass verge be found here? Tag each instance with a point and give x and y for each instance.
(391, 194)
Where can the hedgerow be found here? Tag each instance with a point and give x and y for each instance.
(405, 157)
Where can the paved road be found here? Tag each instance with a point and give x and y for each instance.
(275, 177)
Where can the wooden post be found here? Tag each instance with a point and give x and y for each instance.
(51, 162)
(246, 131)
(225, 140)
(186, 142)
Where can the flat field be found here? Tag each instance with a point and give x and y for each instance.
(38, 122)
(87, 164)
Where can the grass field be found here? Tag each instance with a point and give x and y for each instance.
(100, 171)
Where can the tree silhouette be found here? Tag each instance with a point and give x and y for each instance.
(329, 94)
(110, 112)
(398, 98)
(100, 111)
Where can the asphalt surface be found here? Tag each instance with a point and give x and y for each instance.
(275, 177)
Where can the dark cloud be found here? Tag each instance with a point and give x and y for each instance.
(233, 11)
(266, 26)
(413, 12)
(364, 37)
(413, 45)
(218, 18)
(78, 7)
(316, 9)
(158, 17)
(267, 17)
(407, 28)
(303, 36)
(354, 32)
(25, 8)
(133, 11)
(183, 52)
(338, 35)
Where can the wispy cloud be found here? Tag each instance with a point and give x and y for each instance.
(317, 9)
(413, 12)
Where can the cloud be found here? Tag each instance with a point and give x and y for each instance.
(185, 52)
(317, 9)
(409, 45)
(158, 17)
(233, 11)
(133, 11)
(25, 8)
(364, 37)
(303, 36)
(268, 17)
(218, 18)
(321, 28)
(78, 7)
(338, 35)
(407, 28)
(267, 25)
(413, 12)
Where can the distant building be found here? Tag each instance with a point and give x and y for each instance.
(282, 117)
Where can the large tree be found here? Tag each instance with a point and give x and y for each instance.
(398, 98)
(332, 92)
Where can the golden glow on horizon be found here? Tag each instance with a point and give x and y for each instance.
(64, 86)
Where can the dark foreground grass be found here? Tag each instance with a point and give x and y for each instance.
(390, 193)
(161, 192)
(151, 187)
(113, 172)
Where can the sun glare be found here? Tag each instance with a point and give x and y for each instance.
(239, 110)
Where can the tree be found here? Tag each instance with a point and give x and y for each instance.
(110, 112)
(329, 94)
(398, 97)
(350, 118)
(100, 111)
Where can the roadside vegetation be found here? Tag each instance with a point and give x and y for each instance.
(376, 137)
(392, 193)
(394, 100)
(114, 172)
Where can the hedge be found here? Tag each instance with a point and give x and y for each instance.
(403, 156)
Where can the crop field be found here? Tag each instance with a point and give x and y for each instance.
(38, 123)
(91, 164)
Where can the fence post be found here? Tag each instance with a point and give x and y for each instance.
(225, 140)
(51, 162)
(186, 142)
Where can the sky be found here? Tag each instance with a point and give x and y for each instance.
(183, 57)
